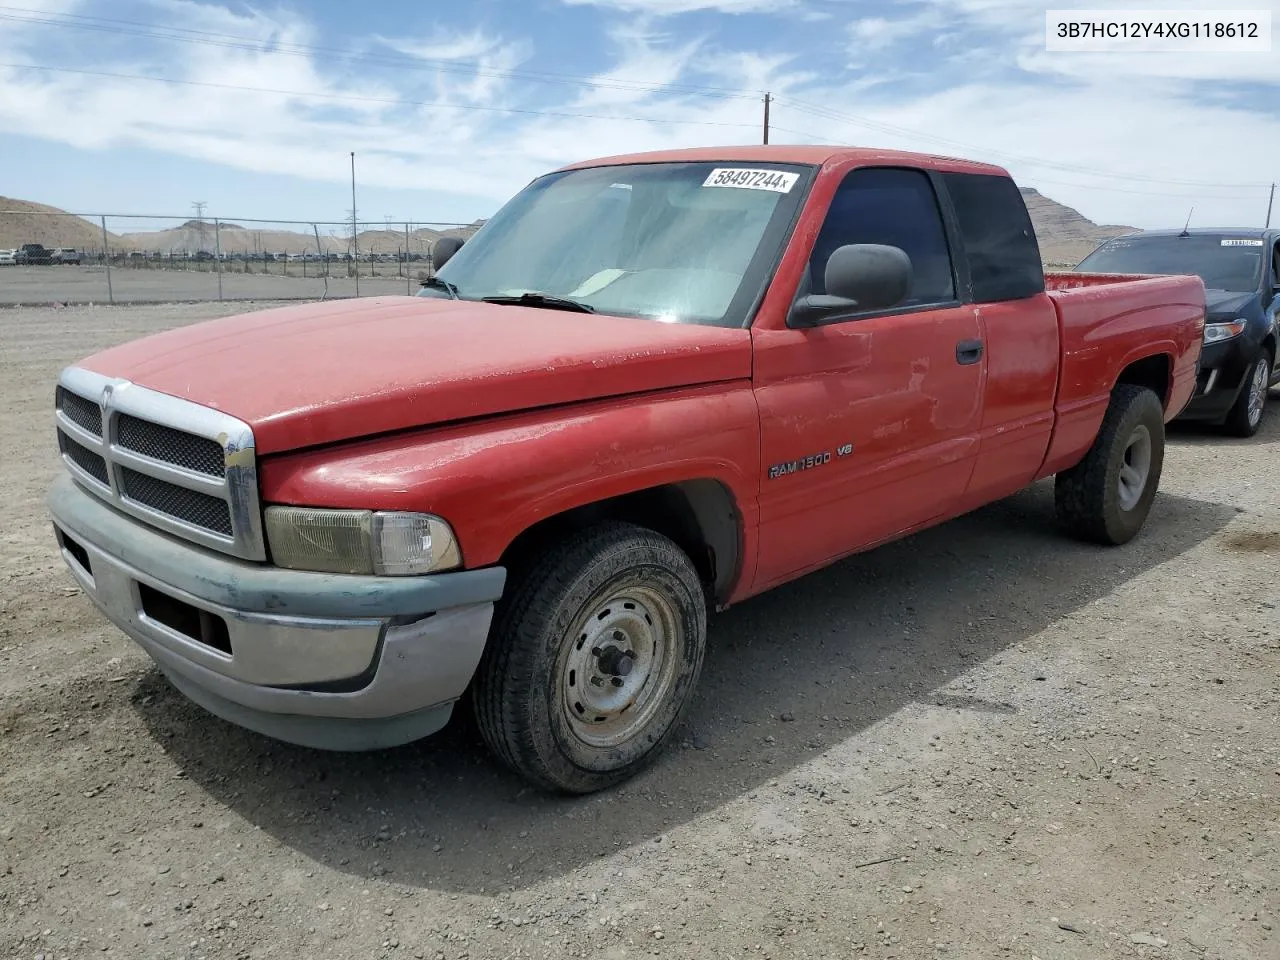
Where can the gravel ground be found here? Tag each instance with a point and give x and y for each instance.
(46, 285)
(984, 741)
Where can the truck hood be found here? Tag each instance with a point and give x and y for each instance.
(321, 373)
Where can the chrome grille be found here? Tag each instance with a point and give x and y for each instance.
(82, 412)
(198, 508)
(176, 465)
(88, 461)
(167, 445)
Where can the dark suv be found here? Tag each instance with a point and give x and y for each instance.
(1241, 273)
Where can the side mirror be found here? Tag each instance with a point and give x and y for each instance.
(444, 249)
(859, 276)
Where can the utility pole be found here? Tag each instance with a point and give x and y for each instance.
(767, 100)
(355, 234)
(1269, 202)
(199, 206)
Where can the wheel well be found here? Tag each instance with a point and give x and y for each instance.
(1152, 372)
(1269, 341)
(700, 516)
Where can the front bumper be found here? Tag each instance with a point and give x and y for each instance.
(1221, 375)
(323, 660)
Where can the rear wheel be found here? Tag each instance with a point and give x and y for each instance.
(1246, 413)
(593, 659)
(1106, 497)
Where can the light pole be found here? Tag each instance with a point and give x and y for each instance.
(355, 232)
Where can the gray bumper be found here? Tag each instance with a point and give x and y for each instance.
(328, 661)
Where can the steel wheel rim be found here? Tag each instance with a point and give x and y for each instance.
(1135, 467)
(605, 699)
(1257, 392)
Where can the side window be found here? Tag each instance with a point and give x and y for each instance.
(999, 240)
(891, 206)
(1275, 265)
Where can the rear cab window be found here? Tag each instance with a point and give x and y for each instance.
(999, 240)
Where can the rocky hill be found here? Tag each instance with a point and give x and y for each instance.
(1066, 236)
(196, 235)
(24, 222)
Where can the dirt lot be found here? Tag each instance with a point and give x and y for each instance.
(985, 741)
(46, 285)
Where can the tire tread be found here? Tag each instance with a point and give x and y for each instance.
(1083, 497)
(1237, 420)
(505, 677)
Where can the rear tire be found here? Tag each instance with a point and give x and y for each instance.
(593, 658)
(1246, 413)
(1106, 497)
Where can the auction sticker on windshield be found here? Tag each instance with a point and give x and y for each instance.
(778, 181)
(1242, 243)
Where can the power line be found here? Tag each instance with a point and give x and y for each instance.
(1069, 183)
(333, 54)
(390, 101)
(866, 122)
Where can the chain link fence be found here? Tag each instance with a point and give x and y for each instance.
(64, 258)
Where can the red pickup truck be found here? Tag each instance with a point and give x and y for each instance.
(648, 388)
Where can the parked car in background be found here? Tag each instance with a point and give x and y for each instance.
(65, 255)
(33, 254)
(1241, 273)
(714, 371)
(8, 258)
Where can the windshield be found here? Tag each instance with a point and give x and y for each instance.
(678, 242)
(1223, 262)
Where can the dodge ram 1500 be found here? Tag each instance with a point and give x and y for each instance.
(649, 387)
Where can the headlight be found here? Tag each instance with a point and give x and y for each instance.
(1217, 332)
(360, 541)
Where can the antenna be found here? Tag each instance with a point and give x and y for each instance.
(1185, 229)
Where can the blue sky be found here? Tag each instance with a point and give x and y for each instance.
(451, 107)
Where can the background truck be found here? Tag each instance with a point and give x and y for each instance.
(1241, 272)
(649, 388)
(32, 254)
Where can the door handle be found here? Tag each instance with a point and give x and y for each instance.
(968, 351)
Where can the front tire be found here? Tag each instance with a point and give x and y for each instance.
(1246, 413)
(593, 659)
(1106, 497)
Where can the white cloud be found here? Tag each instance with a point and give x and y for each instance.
(665, 8)
(647, 62)
(1144, 139)
(486, 57)
(1109, 134)
(876, 33)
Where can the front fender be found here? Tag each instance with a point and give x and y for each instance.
(494, 478)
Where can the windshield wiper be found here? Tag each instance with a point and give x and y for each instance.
(442, 284)
(551, 302)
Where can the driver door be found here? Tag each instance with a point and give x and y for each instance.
(869, 425)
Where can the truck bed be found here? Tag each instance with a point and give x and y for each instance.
(1108, 317)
